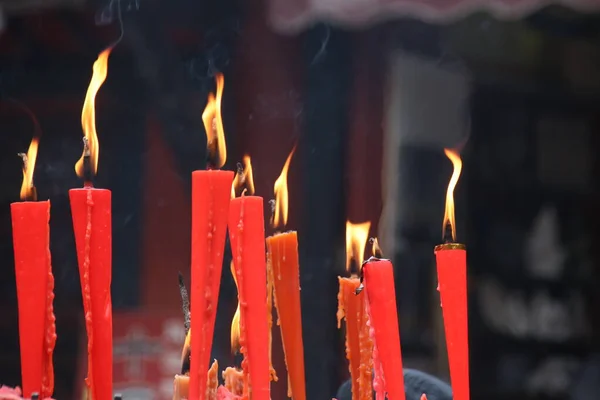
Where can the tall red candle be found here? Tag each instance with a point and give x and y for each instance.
(210, 206)
(92, 225)
(247, 235)
(35, 284)
(378, 283)
(451, 259)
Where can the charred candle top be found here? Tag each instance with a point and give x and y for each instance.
(279, 216)
(28, 191)
(449, 214)
(216, 150)
(91, 148)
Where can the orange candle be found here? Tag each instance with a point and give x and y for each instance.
(284, 275)
(351, 308)
(451, 260)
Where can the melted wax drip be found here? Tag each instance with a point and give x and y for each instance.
(87, 297)
(379, 380)
(50, 336)
(270, 300)
(243, 304)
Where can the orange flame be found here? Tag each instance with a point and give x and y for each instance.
(243, 182)
(356, 241)
(213, 125)
(235, 322)
(88, 114)
(280, 214)
(375, 249)
(449, 217)
(28, 191)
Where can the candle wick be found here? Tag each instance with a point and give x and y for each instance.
(32, 192)
(273, 204)
(447, 235)
(87, 164)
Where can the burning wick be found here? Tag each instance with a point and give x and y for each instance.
(32, 192)
(377, 255)
(87, 165)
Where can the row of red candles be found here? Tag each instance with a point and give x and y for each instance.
(213, 211)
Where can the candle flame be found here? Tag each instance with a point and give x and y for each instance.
(235, 322)
(88, 115)
(356, 242)
(449, 215)
(243, 182)
(375, 249)
(280, 213)
(213, 126)
(28, 191)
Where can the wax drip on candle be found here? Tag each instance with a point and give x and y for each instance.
(50, 336)
(379, 379)
(87, 296)
(243, 304)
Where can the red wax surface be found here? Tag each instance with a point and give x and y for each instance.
(452, 278)
(211, 193)
(35, 291)
(247, 235)
(91, 211)
(383, 316)
(285, 269)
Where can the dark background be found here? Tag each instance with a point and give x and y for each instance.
(324, 89)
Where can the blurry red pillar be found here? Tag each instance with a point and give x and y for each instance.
(166, 226)
(365, 139)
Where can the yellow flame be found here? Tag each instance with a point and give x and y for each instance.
(88, 114)
(356, 241)
(375, 249)
(213, 125)
(28, 191)
(235, 322)
(244, 179)
(280, 214)
(449, 217)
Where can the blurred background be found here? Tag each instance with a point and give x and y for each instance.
(371, 91)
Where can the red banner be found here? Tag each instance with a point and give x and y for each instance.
(146, 355)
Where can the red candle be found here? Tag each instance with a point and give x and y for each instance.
(210, 206)
(247, 235)
(35, 284)
(451, 259)
(92, 225)
(378, 282)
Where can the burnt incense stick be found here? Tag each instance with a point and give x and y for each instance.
(185, 303)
